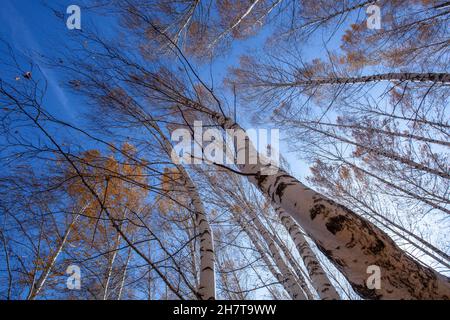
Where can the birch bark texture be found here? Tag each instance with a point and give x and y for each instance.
(352, 243)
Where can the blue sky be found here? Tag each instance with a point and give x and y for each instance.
(32, 28)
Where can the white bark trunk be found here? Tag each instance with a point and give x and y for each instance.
(284, 276)
(207, 288)
(316, 273)
(227, 31)
(124, 275)
(443, 78)
(290, 277)
(43, 278)
(207, 283)
(110, 268)
(350, 242)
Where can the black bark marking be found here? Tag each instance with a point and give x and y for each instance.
(327, 253)
(336, 224)
(281, 177)
(280, 189)
(351, 243)
(378, 247)
(317, 209)
(260, 178)
(340, 262)
(207, 268)
(366, 292)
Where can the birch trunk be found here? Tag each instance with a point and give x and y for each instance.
(207, 288)
(122, 282)
(43, 278)
(110, 268)
(237, 193)
(293, 282)
(443, 78)
(284, 276)
(350, 242)
(297, 288)
(300, 274)
(207, 283)
(238, 21)
(319, 279)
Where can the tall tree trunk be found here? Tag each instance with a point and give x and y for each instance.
(44, 276)
(443, 78)
(319, 279)
(298, 271)
(234, 25)
(207, 288)
(207, 283)
(125, 268)
(350, 242)
(297, 287)
(110, 267)
(285, 277)
(237, 192)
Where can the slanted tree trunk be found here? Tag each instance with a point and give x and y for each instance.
(234, 25)
(351, 242)
(44, 276)
(443, 78)
(207, 283)
(285, 277)
(301, 275)
(297, 288)
(124, 274)
(110, 267)
(271, 239)
(318, 277)
(207, 288)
